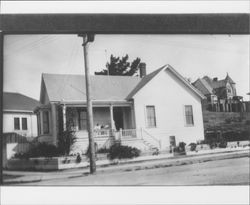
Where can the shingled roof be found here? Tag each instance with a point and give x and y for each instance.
(18, 102)
(203, 86)
(143, 82)
(72, 88)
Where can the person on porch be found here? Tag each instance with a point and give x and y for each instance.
(97, 127)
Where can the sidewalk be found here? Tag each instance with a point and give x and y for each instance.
(140, 163)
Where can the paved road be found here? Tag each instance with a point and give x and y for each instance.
(221, 172)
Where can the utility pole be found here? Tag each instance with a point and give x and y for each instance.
(86, 39)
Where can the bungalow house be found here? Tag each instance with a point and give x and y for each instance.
(18, 114)
(147, 112)
(19, 123)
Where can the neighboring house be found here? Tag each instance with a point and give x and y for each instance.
(147, 112)
(18, 114)
(221, 94)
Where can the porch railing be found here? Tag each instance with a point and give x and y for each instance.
(102, 133)
(128, 133)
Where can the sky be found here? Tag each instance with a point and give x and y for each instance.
(26, 57)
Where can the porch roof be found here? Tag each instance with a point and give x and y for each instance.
(97, 103)
(71, 88)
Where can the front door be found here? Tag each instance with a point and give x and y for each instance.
(118, 118)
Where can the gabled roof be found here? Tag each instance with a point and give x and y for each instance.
(229, 79)
(186, 83)
(149, 77)
(203, 86)
(143, 82)
(18, 102)
(72, 87)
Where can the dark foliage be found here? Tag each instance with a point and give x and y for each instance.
(118, 66)
(192, 146)
(78, 158)
(180, 148)
(232, 136)
(40, 150)
(103, 150)
(118, 151)
(65, 141)
(222, 144)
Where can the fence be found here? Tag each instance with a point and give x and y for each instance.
(16, 143)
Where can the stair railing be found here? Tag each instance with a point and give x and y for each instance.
(145, 133)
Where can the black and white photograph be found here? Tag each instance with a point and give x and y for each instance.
(99, 105)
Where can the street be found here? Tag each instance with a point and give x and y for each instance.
(221, 172)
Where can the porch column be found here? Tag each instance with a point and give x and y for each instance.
(4, 152)
(133, 117)
(54, 122)
(64, 117)
(111, 117)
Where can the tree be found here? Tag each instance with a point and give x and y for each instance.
(118, 66)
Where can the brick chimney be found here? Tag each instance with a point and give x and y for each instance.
(142, 67)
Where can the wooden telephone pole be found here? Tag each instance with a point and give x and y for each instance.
(86, 39)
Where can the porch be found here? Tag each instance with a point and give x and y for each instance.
(110, 119)
(112, 122)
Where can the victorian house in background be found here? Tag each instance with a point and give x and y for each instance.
(221, 95)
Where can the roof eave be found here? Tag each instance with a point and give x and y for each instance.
(170, 68)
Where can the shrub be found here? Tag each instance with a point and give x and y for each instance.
(247, 122)
(242, 135)
(222, 144)
(118, 151)
(228, 120)
(78, 158)
(44, 150)
(103, 150)
(40, 150)
(65, 141)
(21, 155)
(180, 148)
(192, 146)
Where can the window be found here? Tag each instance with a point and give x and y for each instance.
(16, 123)
(82, 119)
(24, 123)
(38, 124)
(189, 115)
(46, 122)
(151, 120)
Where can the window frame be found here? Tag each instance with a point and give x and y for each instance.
(147, 117)
(26, 127)
(47, 121)
(83, 119)
(185, 116)
(19, 127)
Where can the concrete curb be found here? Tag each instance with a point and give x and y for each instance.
(129, 166)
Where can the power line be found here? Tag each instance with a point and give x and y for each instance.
(72, 56)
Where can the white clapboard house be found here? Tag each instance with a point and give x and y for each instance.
(146, 112)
